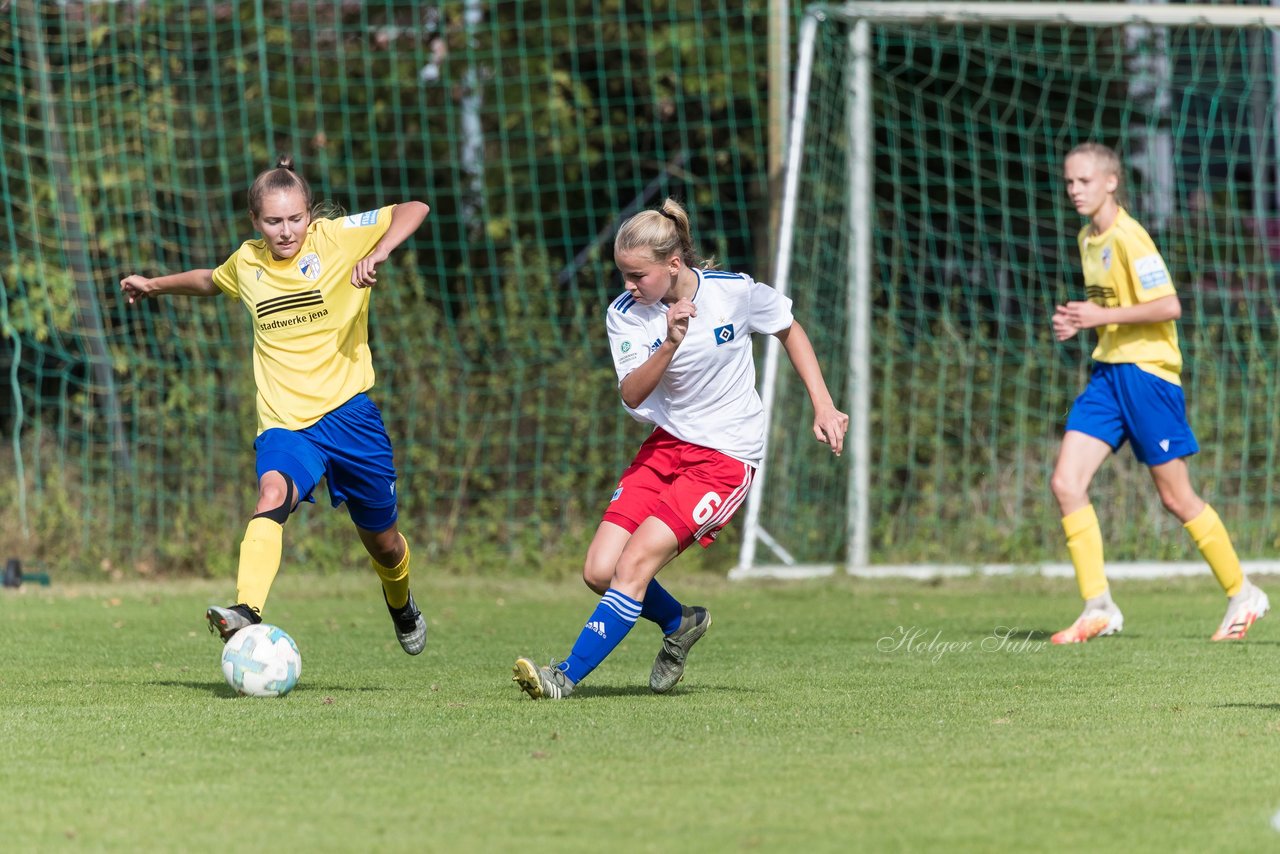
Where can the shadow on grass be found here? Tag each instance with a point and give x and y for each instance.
(222, 689)
(1230, 643)
(1031, 634)
(1265, 707)
(217, 689)
(1020, 634)
(589, 691)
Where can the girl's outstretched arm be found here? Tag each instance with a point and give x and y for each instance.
(193, 283)
(829, 423)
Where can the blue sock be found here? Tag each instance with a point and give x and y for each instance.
(605, 629)
(661, 607)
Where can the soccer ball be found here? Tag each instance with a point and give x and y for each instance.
(261, 661)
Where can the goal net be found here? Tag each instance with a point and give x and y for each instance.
(925, 237)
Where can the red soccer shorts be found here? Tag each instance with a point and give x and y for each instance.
(693, 489)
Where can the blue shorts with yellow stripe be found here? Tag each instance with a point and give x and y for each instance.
(1123, 403)
(349, 447)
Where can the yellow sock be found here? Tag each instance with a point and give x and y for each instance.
(1214, 543)
(1084, 543)
(395, 579)
(259, 561)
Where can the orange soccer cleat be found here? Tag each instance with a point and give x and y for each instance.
(1243, 610)
(1093, 623)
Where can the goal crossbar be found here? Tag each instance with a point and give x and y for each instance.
(1077, 14)
(860, 128)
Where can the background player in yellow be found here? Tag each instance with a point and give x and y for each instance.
(305, 284)
(1134, 394)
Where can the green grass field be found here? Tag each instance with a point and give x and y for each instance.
(797, 726)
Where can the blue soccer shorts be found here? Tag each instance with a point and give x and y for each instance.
(1123, 403)
(349, 447)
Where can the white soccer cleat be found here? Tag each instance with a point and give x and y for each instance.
(1093, 623)
(1243, 610)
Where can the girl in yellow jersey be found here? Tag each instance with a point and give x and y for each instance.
(305, 284)
(1134, 394)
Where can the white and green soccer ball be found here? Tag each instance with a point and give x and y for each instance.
(261, 661)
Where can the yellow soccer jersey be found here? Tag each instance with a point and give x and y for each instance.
(1122, 267)
(310, 324)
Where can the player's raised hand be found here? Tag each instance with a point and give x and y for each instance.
(678, 320)
(136, 288)
(365, 272)
(829, 426)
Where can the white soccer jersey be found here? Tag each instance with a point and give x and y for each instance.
(708, 394)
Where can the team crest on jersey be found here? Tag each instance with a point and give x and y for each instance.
(724, 334)
(626, 346)
(310, 265)
(1106, 257)
(617, 493)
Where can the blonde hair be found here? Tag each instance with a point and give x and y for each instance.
(1106, 157)
(285, 177)
(282, 177)
(662, 233)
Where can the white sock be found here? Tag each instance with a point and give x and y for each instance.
(1101, 603)
(1245, 589)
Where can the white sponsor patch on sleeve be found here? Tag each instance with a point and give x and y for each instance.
(1151, 272)
(360, 219)
(628, 352)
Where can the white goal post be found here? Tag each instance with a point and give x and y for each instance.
(766, 554)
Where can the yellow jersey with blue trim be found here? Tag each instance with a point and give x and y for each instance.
(1122, 267)
(310, 324)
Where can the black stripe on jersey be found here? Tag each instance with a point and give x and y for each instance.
(274, 301)
(1101, 295)
(302, 301)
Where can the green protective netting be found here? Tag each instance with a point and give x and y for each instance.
(975, 242)
(130, 134)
